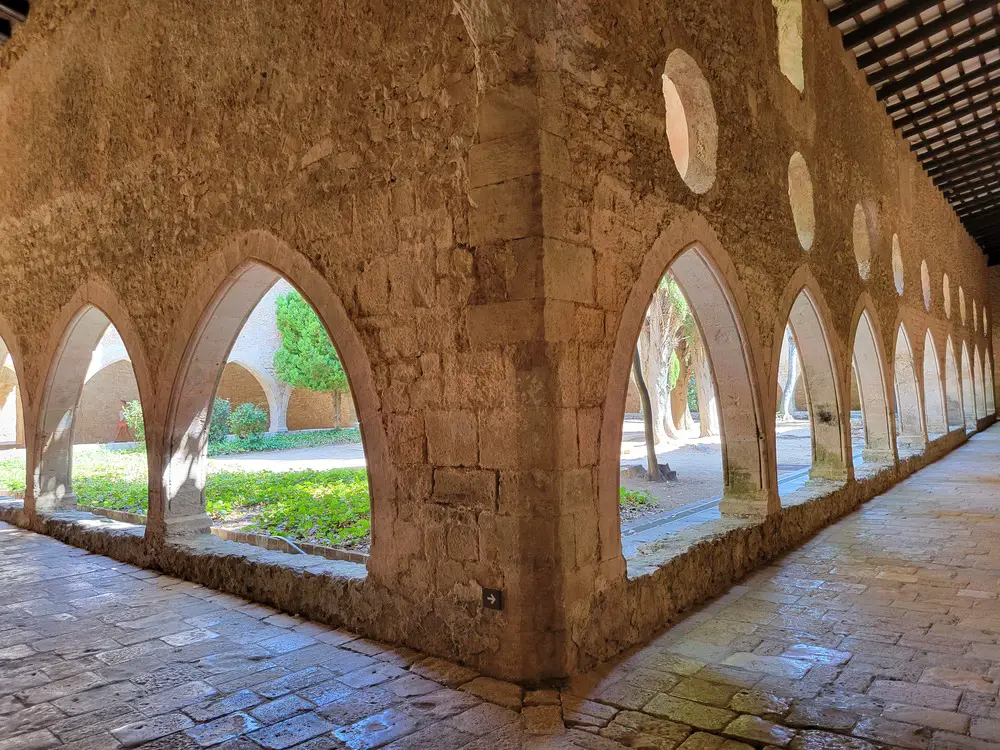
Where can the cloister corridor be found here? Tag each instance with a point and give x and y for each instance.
(880, 631)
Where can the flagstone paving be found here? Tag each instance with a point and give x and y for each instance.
(881, 631)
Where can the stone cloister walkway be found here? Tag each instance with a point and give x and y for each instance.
(882, 630)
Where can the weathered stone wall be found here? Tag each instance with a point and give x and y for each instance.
(481, 195)
(96, 417)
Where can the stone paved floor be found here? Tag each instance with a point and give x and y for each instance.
(880, 631)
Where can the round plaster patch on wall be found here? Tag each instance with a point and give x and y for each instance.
(800, 195)
(975, 316)
(925, 284)
(946, 291)
(692, 128)
(961, 303)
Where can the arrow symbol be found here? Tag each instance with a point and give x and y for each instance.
(491, 599)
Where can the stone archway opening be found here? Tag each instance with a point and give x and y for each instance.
(11, 407)
(808, 434)
(911, 438)
(870, 425)
(978, 383)
(935, 412)
(690, 323)
(233, 465)
(988, 386)
(692, 128)
(953, 388)
(968, 391)
(90, 407)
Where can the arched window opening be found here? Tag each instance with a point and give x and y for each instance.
(910, 438)
(789, 18)
(925, 284)
(692, 129)
(968, 392)
(800, 195)
(690, 389)
(89, 444)
(809, 437)
(953, 389)
(946, 291)
(991, 406)
(934, 403)
(864, 236)
(11, 408)
(234, 463)
(985, 321)
(870, 431)
(979, 384)
(897, 265)
(961, 303)
(975, 316)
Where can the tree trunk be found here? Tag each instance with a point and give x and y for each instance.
(679, 393)
(708, 415)
(652, 360)
(653, 467)
(337, 395)
(791, 382)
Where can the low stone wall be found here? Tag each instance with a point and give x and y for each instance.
(702, 562)
(694, 565)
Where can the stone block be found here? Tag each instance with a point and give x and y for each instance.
(502, 159)
(452, 438)
(466, 488)
(506, 211)
(569, 271)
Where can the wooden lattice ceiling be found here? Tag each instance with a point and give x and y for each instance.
(935, 65)
(11, 11)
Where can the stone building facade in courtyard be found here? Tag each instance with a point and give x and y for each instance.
(480, 198)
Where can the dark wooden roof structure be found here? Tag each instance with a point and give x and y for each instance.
(11, 11)
(935, 65)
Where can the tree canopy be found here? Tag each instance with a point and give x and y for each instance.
(307, 358)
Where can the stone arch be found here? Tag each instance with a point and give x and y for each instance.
(232, 282)
(77, 330)
(910, 427)
(935, 411)
(689, 249)
(790, 57)
(953, 388)
(968, 390)
(263, 383)
(805, 311)
(692, 128)
(800, 196)
(869, 367)
(978, 383)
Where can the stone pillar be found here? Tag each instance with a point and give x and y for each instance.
(278, 403)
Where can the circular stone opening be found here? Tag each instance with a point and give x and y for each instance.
(925, 284)
(692, 130)
(800, 195)
(946, 290)
(864, 237)
(897, 264)
(961, 303)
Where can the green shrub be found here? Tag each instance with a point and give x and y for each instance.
(133, 418)
(248, 421)
(635, 498)
(218, 427)
(285, 440)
